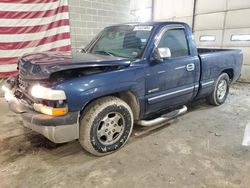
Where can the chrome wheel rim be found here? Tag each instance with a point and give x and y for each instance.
(110, 128)
(221, 89)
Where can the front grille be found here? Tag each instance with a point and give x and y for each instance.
(22, 71)
(22, 84)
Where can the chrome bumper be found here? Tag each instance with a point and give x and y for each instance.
(56, 134)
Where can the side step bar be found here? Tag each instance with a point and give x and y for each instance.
(163, 118)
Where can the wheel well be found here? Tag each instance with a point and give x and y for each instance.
(131, 100)
(230, 73)
(126, 96)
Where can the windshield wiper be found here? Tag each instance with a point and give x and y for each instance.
(105, 52)
(109, 53)
(83, 50)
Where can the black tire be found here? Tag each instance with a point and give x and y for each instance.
(215, 98)
(105, 125)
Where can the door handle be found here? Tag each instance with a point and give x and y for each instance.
(190, 67)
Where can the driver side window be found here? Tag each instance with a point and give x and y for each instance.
(175, 40)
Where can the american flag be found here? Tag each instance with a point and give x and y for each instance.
(30, 26)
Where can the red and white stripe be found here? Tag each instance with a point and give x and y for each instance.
(30, 26)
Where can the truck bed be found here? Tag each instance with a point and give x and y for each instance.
(212, 50)
(214, 60)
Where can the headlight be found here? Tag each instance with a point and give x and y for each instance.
(41, 92)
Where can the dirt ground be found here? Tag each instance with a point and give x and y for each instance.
(199, 149)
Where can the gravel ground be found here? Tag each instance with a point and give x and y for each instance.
(199, 149)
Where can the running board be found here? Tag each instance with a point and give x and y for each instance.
(163, 118)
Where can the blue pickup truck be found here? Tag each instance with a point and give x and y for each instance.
(142, 73)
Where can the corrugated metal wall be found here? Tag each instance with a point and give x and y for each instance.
(216, 23)
(174, 10)
(141, 10)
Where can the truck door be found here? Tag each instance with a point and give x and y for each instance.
(172, 81)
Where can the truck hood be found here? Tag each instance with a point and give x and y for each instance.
(42, 65)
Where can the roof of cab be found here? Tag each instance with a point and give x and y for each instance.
(149, 23)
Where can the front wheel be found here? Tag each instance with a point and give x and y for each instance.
(105, 125)
(220, 91)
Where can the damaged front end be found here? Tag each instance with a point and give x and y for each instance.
(44, 108)
(23, 95)
(39, 74)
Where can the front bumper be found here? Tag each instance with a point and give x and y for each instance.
(58, 129)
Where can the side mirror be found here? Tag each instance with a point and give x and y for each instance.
(162, 53)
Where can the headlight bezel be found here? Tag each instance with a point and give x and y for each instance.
(42, 93)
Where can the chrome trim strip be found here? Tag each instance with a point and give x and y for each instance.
(153, 90)
(207, 83)
(196, 86)
(160, 72)
(171, 93)
(181, 67)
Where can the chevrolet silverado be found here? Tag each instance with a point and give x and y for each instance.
(142, 73)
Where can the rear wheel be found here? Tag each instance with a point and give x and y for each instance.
(221, 90)
(105, 125)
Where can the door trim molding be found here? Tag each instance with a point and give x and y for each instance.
(181, 67)
(207, 83)
(170, 93)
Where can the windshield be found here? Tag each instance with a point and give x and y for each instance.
(126, 41)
